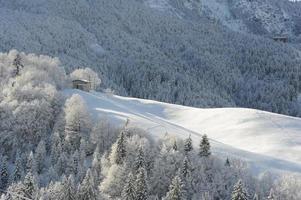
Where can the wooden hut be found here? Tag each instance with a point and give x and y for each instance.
(81, 85)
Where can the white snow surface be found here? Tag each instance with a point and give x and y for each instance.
(267, 141)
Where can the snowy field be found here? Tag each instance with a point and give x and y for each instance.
(265, 140)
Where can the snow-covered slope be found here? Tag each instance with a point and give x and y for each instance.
(265, 140)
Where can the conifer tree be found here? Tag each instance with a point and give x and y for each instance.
(141, 186)
(120, 149)
(87, 188)
(239, 192)
(129, 192)
(68, 190)
(176, 190)
(188, 145)
(17, 173)
(17, 64)
(139, 161)
(29, 185)
(31, 163)
(175, 146)
(4, 175)
(96, 165)
(40, 156)
(204, 147)
(185, 167)
(227, 163)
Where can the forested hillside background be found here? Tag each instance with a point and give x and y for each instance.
(179, 55)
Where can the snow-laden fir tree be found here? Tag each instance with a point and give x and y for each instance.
(188, 145)
(176, 190)
(96, 165)
(68, 189)
(141, 185)
(18, 169)
(227, 163)
(31, 163)
(185, 167)
(129, 192)
(175, 146)
(239, 192)
(140, 160)
(204, 150)
(17, 63)
(120, 149)
(29, 186)
(4, 174)
(40, 156)
(87, 189)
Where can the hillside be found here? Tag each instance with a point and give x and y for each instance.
(161, 50)
(265, 140)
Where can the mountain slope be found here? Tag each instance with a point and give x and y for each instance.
(266, 140)
(142, 50)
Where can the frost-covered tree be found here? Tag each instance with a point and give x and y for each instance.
(67, 191)
(239, 192)
(18, 168)
(185, 170)
(4, 174)
(40, 156)
(78, 121)
(140, 159)
(120, 149)
(141, 185)
(87, 189)
(18, 65)
(188, 145)
(176, 190)
(129, 191)
(204, 150)
(31, 163)
(29, 186)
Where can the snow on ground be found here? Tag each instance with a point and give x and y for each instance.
(265, 140)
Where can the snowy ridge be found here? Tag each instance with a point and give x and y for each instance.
(265, 140)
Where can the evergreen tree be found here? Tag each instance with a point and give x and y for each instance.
(87, 189)
(29, 185)
(17, 173)
(96, 165)
(176, 190)
(188, 145)
(31, 163)
(40, 156)
(129, 192)
(4, 178)
(227, 163)
(185, 167)
(139, 161)
(204, 147)
(175, 146)
(68, 190)
(17, 64)
(141, 186)
(239, 192)
(120, 149)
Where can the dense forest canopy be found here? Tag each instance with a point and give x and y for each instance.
(188, 59)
